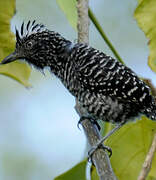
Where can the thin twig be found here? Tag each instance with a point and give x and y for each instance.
(100, 157)
(148, 161)
(83, 21)
(104, 36)
(149, 83)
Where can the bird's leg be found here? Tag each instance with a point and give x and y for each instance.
(84, 115)
(94, 121)
(100, 143)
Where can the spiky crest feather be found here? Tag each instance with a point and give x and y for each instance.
(28, 29)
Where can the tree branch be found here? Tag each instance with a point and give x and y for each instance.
(149, 83)
(148, 161)
(100, 157)
(149, 157)
(83, 21)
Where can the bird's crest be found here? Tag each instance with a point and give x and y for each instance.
(28, 29)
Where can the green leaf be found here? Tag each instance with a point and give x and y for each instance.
(139, 1)
(145, 15)
(94, 174)
(69, 9)
(16, 70)
(78, 172)
(130, 146)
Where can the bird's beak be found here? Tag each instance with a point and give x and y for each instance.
(12, 57)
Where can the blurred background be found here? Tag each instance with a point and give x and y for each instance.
(39, 138)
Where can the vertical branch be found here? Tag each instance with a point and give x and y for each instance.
(148, 161)
(100, 157)
(83, 21)
(150, 155)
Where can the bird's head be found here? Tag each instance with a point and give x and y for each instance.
(38, 46)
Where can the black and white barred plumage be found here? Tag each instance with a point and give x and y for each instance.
(107, 89)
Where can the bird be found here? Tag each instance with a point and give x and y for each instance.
(107, 89)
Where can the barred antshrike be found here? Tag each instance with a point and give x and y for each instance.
(107, 89)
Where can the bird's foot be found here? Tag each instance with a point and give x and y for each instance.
(91, 119)
(95, 148)
(101, 145)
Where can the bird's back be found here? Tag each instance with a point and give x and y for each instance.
(108, 89)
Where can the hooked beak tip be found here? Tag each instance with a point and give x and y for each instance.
(12, 57)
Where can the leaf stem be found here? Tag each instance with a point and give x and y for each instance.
(104, 36)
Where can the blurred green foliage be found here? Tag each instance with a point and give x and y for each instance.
(130, 146)
(18, 71)
(16, 165)
(145, 15)
(69, 9)
(78, 172)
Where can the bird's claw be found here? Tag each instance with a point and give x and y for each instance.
(81, 119)
(94, 148)
(91, 119)
(78, 124)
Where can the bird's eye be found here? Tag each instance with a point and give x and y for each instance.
(29, 45)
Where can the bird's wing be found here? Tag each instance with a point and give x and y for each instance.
(102, 74)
